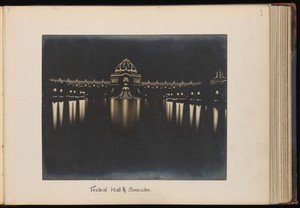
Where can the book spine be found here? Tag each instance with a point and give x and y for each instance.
(282, 104)
(294, 100)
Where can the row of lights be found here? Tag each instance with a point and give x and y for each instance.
(198, 93)
(74, 91)
(85, 85)
(192, 93)
(130, 70)
(71, 91)
(82, 92)
(55, 90)
(148, 86)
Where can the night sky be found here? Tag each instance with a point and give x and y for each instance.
(157, 57)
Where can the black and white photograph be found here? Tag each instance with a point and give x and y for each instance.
(134, 107)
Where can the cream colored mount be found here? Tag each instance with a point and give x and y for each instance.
(1, 123)
(280, 105)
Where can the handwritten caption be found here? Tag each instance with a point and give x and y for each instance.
(119, 189)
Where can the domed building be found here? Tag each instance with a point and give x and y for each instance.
(126, 75)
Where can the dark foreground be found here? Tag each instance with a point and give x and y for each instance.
(98, 139)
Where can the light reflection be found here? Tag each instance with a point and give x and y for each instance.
(138, 108)
(125, 113)
(82, 108)
(181, 113)
(177, 112)
(54, 114)
(112, 108)
(147, 104)
(198, 116)
(72, 112)
(61, 112)
(105, 103)
(191, 114)
(193, 110)
(86, 103)
(215, 118)
(169, 109)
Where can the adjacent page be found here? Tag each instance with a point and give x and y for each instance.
(136, 105)
(281, 180)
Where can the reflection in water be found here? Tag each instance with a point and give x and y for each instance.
(54, 114)
(191, 114)
(138, 108)
(125, 113)
(72, 111)
(198, 115)
(179, 113)
(61, 112)
(125, 135)
(128, 138)
(82, 108)
(112, 107)
(169, 109)
(104, 103)
(146, 104)
(215, 118)
(194, 114)
(86, 103)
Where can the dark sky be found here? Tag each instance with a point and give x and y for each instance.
(157, 57)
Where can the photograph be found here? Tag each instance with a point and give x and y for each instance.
(134, 107)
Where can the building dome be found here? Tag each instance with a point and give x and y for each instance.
(126, 66)
(125, 71)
